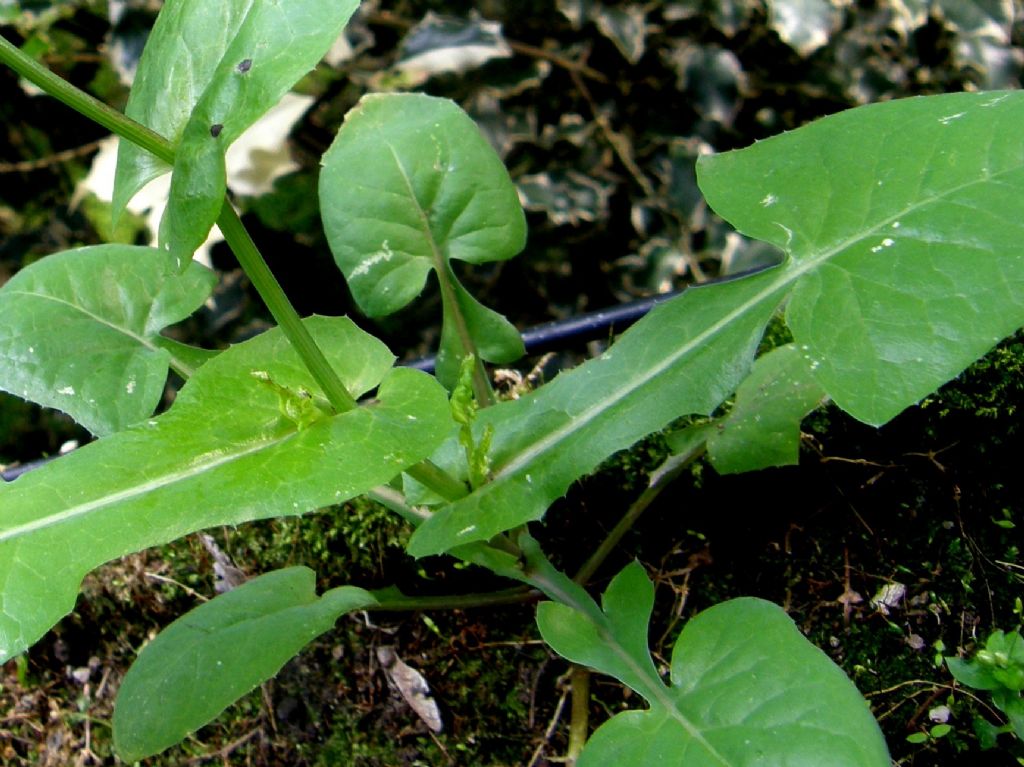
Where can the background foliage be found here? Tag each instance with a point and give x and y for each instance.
(599, 109)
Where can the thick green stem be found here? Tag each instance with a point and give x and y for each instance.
(453, 313)
(388, 601)
(579, 722)
(437, 479)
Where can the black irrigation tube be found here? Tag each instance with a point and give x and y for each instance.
(537, 340)
(558, 334)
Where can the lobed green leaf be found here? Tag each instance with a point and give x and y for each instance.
(613, 640)
(903, 226)
(747, 688)
(902, 223)
(214, 654)
(193, 467)
(80, 331)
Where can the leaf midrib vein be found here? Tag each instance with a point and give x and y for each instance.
(101, 320)
(136, 490)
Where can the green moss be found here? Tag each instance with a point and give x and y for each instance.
(992, 388)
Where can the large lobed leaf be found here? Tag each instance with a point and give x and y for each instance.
(747, 688)
(208, 72)
(211, 656)
(903, 225)
(241, 442)
(409, 184)
(80, 331)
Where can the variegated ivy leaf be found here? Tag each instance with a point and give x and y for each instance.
(449, 44)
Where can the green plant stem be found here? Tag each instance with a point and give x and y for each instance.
(437, 479)
(83, 103)
(446, 281)
(281, 309)
(394, 501)
(237, 237)
(579, 721)
(661, 478)
(387, 601)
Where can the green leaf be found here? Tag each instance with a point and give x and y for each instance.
(208, 72)
(409, 184)
(222, 455)
(746, 687)
(763, 427)
(972, 674)
(192, 356)
(1013, 706)
(679, 359)
(616, 642)
(219, 651)
(903, 224)
(79, 331)
(901, 271)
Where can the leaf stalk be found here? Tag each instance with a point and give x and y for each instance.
(661, 477)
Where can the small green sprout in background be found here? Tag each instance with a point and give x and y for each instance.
(997, 668)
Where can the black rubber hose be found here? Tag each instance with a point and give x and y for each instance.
(581, 328)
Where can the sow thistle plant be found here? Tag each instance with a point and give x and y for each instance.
(901, 225)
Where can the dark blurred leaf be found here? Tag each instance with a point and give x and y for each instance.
(626, 27)
(577, 11)
(449, 44)
(711, 75)
(982, 29)
(804, 25)
(566, 198)
(503, 128)
(728, 16)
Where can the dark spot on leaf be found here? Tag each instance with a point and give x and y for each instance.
(215, 129)
(245, 65)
